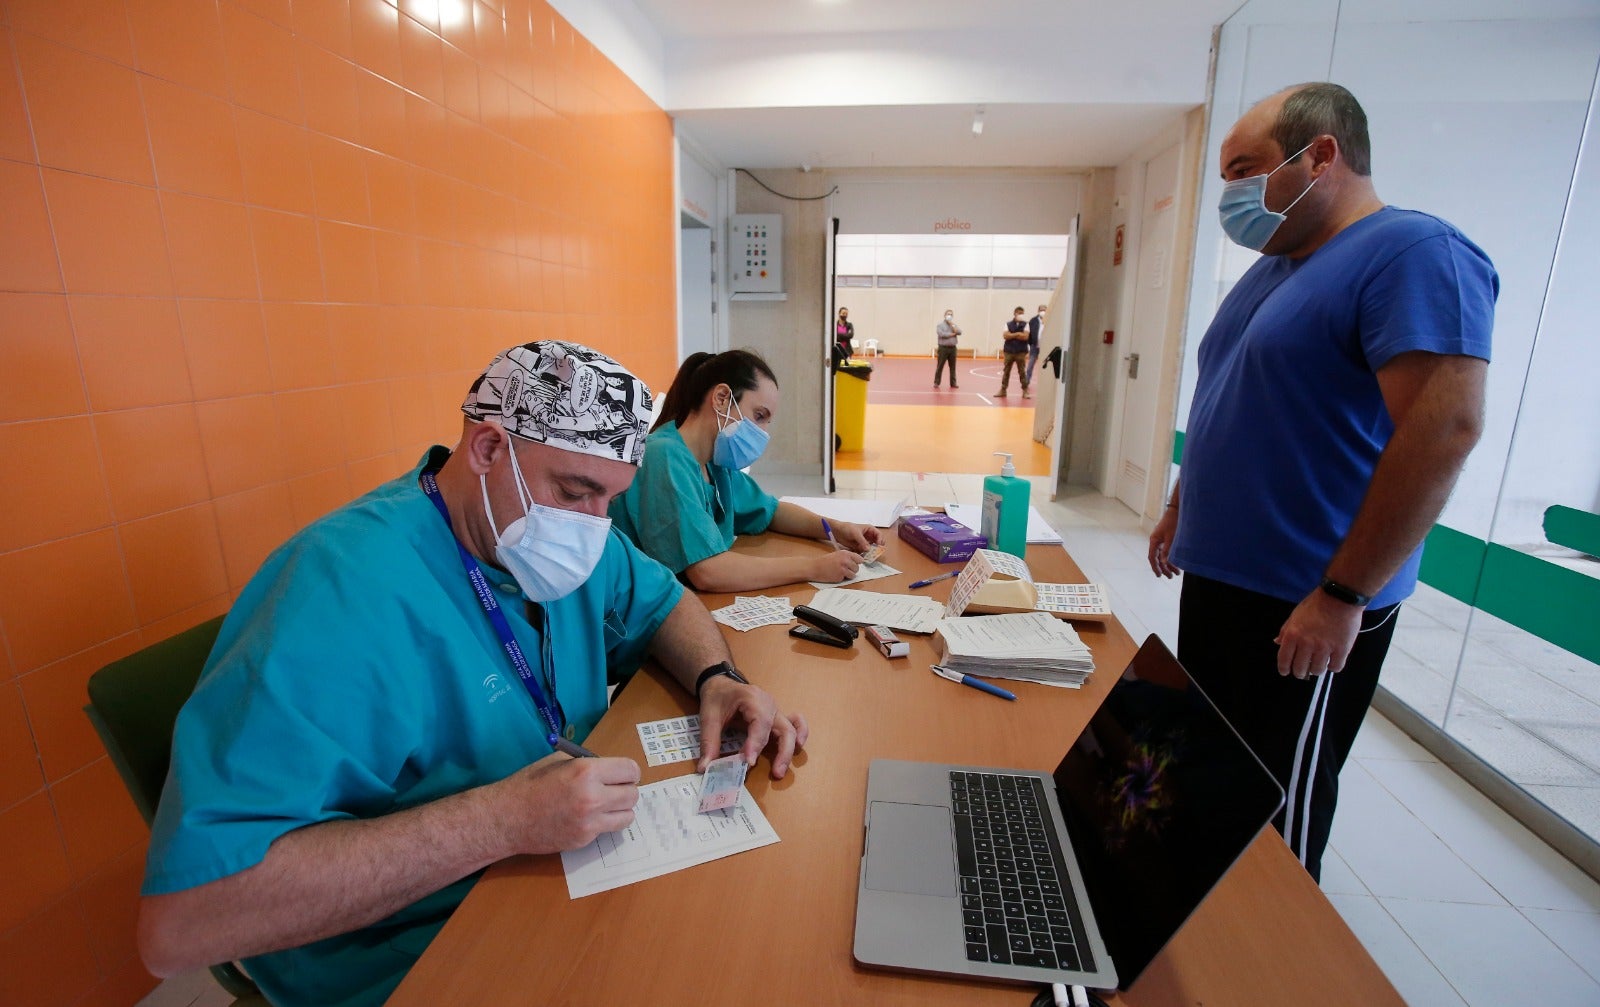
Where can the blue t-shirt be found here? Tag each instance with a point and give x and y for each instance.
(1288, 419)
(357, 675)
(676, 516)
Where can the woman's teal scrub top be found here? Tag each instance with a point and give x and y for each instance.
(676, 516)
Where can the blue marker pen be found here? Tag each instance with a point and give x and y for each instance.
(976, 683)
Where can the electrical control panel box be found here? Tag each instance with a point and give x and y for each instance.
(755, 253)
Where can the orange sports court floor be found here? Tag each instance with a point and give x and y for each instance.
(911, 427)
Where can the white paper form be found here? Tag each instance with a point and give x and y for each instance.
(864, 573)
(1039, 530)
(667, 835)
(907, 612)
(997, 637)
(879, 513)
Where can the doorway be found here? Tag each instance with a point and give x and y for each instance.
(697, 295)
(1138, 380)
(898, 288)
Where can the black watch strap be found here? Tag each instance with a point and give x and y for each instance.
(720, 668)
(1348, 595)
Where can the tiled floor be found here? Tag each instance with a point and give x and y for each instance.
(1458, 903)
(1527, 707)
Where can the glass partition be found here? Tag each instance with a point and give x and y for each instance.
(1479, 113)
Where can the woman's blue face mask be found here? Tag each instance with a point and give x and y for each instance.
(739, 441)
(1243, 208)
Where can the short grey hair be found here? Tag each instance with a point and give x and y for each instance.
(1319, 108)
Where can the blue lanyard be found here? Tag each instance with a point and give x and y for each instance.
(551, 712)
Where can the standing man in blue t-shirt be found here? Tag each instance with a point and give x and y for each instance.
(1341, 388)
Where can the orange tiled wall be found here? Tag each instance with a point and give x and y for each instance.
(251, 255)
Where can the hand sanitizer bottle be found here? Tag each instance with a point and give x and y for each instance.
(1005, 510)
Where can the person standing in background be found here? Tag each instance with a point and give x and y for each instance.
(945, 335)
(1035, 327)
(844, 334)
(1016, 353)
(1341, 388)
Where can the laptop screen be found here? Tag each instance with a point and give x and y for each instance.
(1160, 797)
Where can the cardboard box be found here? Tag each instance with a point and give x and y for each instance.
(942, 539)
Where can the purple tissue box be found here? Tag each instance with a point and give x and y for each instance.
(943, 539)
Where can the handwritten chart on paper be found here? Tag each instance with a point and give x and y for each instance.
(668, 834)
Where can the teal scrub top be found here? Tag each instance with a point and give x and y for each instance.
(358, 675)
(678, 518)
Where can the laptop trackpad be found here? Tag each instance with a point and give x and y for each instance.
(910, 848)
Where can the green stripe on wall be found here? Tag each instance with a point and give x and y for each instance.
(1573, 528)
(1552, 602)
(1452, 562)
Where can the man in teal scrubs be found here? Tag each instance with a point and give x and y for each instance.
(372, 730)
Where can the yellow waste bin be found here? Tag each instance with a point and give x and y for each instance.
(850, 405)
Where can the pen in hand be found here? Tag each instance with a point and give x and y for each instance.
(827, 529)
(571, 748)
(934, 580)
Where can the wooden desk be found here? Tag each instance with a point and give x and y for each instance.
(777, 924)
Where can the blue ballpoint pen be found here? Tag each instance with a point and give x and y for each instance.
(934, 580)
(827, 529)
(976, 683)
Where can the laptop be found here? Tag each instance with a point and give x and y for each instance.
(1079, 876)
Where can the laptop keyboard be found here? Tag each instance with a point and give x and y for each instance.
(1016, 900)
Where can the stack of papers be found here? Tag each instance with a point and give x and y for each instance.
(747, 613)
(1025, 646)
(910, 613)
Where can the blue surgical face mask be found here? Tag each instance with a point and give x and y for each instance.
(549, 551)
(739, 441)
(1243, 208)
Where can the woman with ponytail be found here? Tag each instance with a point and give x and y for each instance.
(691, 496)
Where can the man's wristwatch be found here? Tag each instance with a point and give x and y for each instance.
(720, 668)
(1348, 595)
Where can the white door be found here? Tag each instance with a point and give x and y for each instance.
(1152, 299)
(1056, 332)
(696, 294)
(830, 259)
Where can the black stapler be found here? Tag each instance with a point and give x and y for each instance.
(824, 628)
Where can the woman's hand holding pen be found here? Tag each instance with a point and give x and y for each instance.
(832, 567)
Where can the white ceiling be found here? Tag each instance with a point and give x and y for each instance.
(894, 83)
(705, 19)
(915, 136)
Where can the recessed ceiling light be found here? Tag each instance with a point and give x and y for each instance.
(977, 122)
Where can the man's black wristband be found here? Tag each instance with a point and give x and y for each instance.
(1349, 596)
(720, 668)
